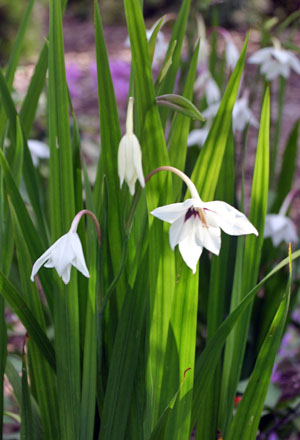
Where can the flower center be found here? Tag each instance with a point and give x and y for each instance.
(198, 212)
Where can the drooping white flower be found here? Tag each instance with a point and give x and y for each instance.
(275, 61)
(206, 84)
(130, 155)
(66, 252)
(242, 114)
(231, 52)
(196, 224)
(279, 227)
(39, 150)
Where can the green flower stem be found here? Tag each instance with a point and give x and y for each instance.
(281, 95)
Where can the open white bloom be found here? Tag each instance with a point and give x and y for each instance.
(39, 150)
(130, 155)
(196, 224)
(275, 61)
(65, 253)
(279, 227)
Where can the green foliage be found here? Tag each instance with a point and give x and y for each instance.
(142, 347)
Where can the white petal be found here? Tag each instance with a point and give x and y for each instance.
(189, 250)
(232, 221)
(294, 62)
(137, 158)
(280, 228)
(122, 159)
(44, 257)
(179, 230)
(211, 111)
(209, 237)
(39, 263)
(198, 136)
(261, 55)
(78, 261)
(66, 275)
(172, 212)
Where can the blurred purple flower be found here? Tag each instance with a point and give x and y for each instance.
(273, 436)
(120, 73)
(73, 75)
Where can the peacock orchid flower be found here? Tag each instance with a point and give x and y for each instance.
(196, 224)
(130, 155)
(66, 252)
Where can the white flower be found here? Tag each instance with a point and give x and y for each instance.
(275, 61)
(39, 150)
(196, 224)
(231, 52)
(66, 252)
(206, 83)
(279, 227)
(161, 45)
(198, 135)
(242, 115)
(130, 155)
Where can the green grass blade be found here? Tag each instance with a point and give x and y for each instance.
(18, 305)
(161, 258)
(219, 290)
(3, 354)
(42, 377)
(124, 361)
(62, 211)
(17, 47)
(246, 420)
(167, 85)
(237, 341)
(29, 232)
(29, 171)
(288, 168)
(37, 82)
(211, 156)
(210, 356)
(180, 127)
(28, 430)
(110, 137)
(16, 382)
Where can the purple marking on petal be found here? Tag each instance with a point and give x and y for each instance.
(191, 212)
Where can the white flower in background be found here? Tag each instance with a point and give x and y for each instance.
(196, 224)
(206, 84)
(64, 253)
(275, 61)
(279, 227)
(198, 135)
(231, 52)
(161, 45)
(203, 47)
(130, 155)
(39, 150)
(242, 114)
